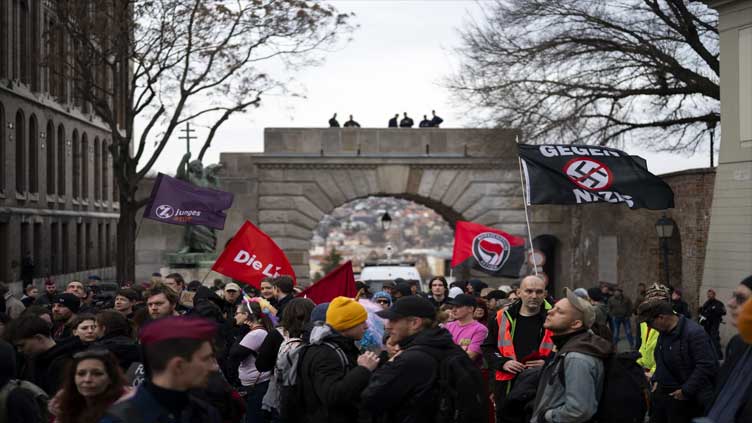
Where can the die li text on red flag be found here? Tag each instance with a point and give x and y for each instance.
(251, 256)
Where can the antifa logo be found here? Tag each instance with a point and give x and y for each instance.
(491, 250)
(589, 174)
(165, 211)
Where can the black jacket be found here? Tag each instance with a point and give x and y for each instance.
(282, 303)
(734, 352)
(46, 369)
(123, 347)
(146, 407)
(331, 391)
(689, 358)
(681, 307)
(266, 357)
(403, 390)
(21, 405)
(713, 312)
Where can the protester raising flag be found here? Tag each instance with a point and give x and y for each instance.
(581, 174)
(340, 282)
(487, 249)
(181, 203)
(251, 256)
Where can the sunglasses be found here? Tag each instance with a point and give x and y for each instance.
(382, 302)
(739, 298)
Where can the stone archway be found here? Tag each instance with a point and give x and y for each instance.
(304, 174)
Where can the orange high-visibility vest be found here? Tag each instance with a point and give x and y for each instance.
(506, 344)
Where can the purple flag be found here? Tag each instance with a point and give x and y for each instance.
(182, 203)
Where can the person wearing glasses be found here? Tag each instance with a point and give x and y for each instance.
(92, 383)
(686, 364)
(733, 396)
(383, 299)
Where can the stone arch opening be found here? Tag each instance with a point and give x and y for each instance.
(418, 233)
(549, 247)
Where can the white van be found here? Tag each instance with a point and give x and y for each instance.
(376, 274)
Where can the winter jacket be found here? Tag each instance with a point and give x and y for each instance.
(687, 356)
(711, 314)
(123, 347)
(734, 352)
(331, 390)
(620, 307)
(681, 307)
(143, 407)
(20, 403)
(46, 369)
(580, 360)
(403, 390)
(13, 306)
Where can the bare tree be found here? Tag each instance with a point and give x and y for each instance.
(600, 71)
(166, 62)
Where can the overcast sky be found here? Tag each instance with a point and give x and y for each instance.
(395, 63)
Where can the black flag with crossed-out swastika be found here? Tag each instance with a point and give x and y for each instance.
(583, 174)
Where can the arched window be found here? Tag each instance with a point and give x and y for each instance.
(3, 164)
(61, 153)
(20, 157)
(84, 164)
(76, 165)
(22, 41)
(97, 170)
(51, 162)
(105, 170)
(33, 154)
(4, 37)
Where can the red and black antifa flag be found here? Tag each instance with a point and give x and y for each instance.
(487, 249)
(582, 174)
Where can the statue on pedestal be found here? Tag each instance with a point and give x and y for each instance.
(198, 238)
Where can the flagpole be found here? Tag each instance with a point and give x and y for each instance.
(527, 216)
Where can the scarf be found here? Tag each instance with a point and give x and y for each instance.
(732, 395)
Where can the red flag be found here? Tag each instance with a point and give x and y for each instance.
(339, 282)
(487, 249)
(252, 256)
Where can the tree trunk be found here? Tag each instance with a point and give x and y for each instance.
(126, 240)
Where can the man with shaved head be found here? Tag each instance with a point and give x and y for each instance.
(517, 339)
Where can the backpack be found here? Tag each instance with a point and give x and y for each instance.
(625, 395)
(288, 370)
(459, 389)
(40, 397)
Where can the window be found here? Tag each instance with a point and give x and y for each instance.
(105, 171)
(23, 41)
(97, 170)
(61, 153)
(20, 158)
(33, 154)
(4, 37)
(3, 164)
(75, 165)
(51, 162)
(55, 250)
(84, 164)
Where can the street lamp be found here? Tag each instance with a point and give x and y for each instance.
(386, 221)
(665, 228)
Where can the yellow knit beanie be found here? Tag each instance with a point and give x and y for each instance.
(744, 323)
(344, 313)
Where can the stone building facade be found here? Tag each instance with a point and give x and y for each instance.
(729, 254)
(58, 205)
(462, 174)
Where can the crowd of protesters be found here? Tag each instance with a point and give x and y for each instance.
(406, 122)
(171, 351)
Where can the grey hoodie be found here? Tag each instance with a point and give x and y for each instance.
(576, 400)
